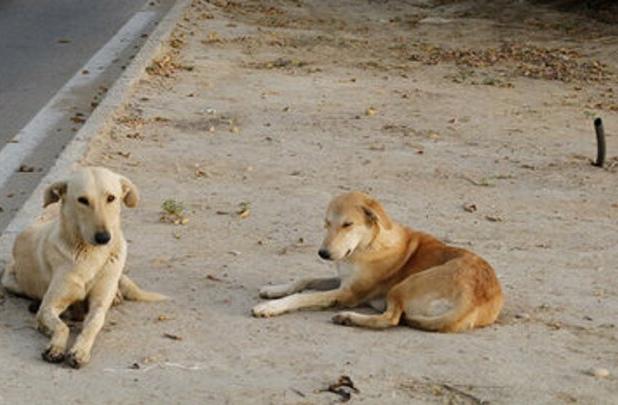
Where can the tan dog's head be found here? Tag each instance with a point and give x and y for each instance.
(90, 201)
(352, 223)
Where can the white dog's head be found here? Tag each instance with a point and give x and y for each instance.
(352, 222)
(90, 202)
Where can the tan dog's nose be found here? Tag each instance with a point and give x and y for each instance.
(324, 254)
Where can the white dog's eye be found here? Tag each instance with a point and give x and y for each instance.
(347, 224)
(83, 200)
(110, 198)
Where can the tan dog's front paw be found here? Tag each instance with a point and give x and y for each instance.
(274, 291)
(53, 354)
(343, 318)
(266, 309)
(76, 359)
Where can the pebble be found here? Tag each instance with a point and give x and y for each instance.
(599, 372)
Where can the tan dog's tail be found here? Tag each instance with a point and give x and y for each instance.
(133, 292)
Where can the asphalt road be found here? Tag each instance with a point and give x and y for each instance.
(43, 44)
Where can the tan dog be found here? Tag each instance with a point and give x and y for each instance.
(434, 286)
(76, 252)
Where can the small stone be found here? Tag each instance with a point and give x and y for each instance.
(599, 372)
(523, 315)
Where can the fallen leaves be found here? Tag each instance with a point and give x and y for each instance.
(166, 66)
(212, 38)
(132, 121)
(526, 60)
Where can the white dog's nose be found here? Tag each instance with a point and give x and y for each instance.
(102, 238)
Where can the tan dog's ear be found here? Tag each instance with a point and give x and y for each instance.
(130, 195)
(375, 213)
(54, 193)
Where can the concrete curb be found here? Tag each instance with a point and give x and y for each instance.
(97, 123)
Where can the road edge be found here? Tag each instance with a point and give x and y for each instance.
(98, 121)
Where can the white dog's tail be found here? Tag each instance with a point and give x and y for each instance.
(133, 292)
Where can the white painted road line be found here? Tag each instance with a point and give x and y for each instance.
(50, 116)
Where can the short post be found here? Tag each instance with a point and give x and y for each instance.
(598, 127)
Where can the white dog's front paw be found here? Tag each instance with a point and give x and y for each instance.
(266, 309)
(77, 358)
(274, 291)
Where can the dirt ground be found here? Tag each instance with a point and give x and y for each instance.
(259, 112)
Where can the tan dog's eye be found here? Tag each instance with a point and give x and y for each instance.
(347, 224)
(110, 198)
(83, 200)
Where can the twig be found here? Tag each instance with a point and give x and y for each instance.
(298, 392)
(598, 127)
(482, 183)
(462, 393)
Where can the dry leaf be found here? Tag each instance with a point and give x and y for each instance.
(172, 336)
(469, 207)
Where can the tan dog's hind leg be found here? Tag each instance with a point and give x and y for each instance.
(99, 301)
(389, 318)
(438, 299)
(61, 293)
(296, 302)
(282, 290)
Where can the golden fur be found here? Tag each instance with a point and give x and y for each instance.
(426, 283)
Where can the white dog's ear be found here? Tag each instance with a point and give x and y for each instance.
(375, 213)
(130, 194)
(54, 193)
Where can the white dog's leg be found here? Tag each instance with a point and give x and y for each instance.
(59, 296)
(99, 301)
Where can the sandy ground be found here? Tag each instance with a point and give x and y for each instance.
(260, 111)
